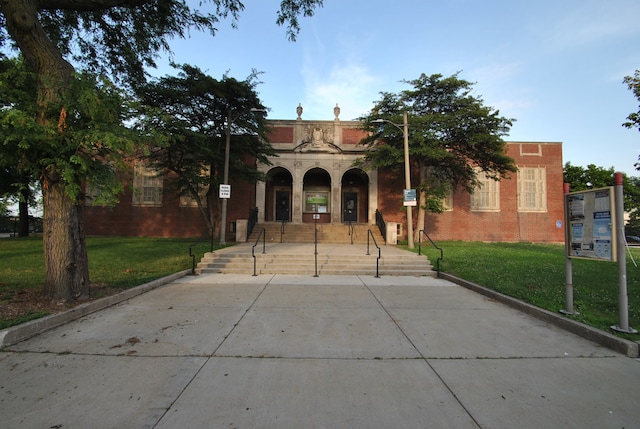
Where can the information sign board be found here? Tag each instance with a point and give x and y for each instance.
(591, 224)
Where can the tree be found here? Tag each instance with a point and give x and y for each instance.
(191, 113)
(593, 177)
(17, 94)
(633, 120)
(114, 37)
(453, 137)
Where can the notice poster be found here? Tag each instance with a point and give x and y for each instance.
(590, 223)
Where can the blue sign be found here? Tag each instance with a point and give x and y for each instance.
(410, 198)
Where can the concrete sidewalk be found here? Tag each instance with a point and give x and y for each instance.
(237, 351)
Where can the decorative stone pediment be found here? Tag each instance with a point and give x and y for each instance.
(317, 139)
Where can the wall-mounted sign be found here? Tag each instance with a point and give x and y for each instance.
(591, 224)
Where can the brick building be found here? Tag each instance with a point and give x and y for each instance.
(314, 175)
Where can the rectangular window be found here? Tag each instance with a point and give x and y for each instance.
(147, 187)
(532, 193)
(486, 196)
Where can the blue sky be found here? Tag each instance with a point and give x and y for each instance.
(554, 66)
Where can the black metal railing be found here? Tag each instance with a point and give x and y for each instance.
(252, 221)
(282, 225)
(421, 233)
(382, 225)
(370, 235)
(195, 243)
(264, 248)
(352, 228)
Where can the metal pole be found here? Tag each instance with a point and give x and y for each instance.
(225, 180)
(407, 179)
(315, 221)
(623, 299)
(568, 263)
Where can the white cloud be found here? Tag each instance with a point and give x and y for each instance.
(351, 86)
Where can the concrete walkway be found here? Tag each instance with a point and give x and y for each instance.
(275, 351)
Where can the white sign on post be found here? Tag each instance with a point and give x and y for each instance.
(225, 191)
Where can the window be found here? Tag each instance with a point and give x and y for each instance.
(147, 187)
(486, 197)
(532, 194)
(447, 201)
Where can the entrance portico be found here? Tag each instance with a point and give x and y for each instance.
(314, 174)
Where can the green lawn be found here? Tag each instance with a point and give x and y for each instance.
(535, 273)
(119, 262)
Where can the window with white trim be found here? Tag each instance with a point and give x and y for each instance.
(486, 196)
(147, 186)
(532, 189)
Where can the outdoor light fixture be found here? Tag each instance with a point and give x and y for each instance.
(407, 174)
(225, 179)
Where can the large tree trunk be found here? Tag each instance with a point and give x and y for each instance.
(66, 262)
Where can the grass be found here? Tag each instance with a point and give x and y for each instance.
(535, 273)
(116, 262)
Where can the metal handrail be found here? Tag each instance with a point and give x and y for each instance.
(282, 224)
(382, 225)
(252, 221)
(352, 228)
(370, 234)
(434, 245)
(195, 243)
(264, 248)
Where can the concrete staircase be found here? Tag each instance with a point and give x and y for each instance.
(305, 263)
(327, 233)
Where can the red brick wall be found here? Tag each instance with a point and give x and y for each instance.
(352, 136)
(281, 135)
(508, 224)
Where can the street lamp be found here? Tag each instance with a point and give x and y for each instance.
(407, 172)
(225, 178)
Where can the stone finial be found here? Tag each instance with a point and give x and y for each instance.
(299, 111)
(336, 112)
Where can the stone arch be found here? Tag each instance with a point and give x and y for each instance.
(354, 197)
(317, 196)
(278, 195)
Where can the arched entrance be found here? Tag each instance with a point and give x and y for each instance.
(278, 199)
(316, 191)
(355, 196)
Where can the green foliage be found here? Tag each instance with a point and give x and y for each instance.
(122, 38)
(86, 143)
(451, 133)
(592, 177)
(633, 83)
(190, 115)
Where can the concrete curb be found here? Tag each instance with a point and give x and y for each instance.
(19, 333)
(620, 345)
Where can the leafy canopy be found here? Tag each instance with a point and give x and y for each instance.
(188, 117)
(451, 133)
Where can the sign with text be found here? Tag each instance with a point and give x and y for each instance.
(225, 191)
(410, 198)
(591, 224)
